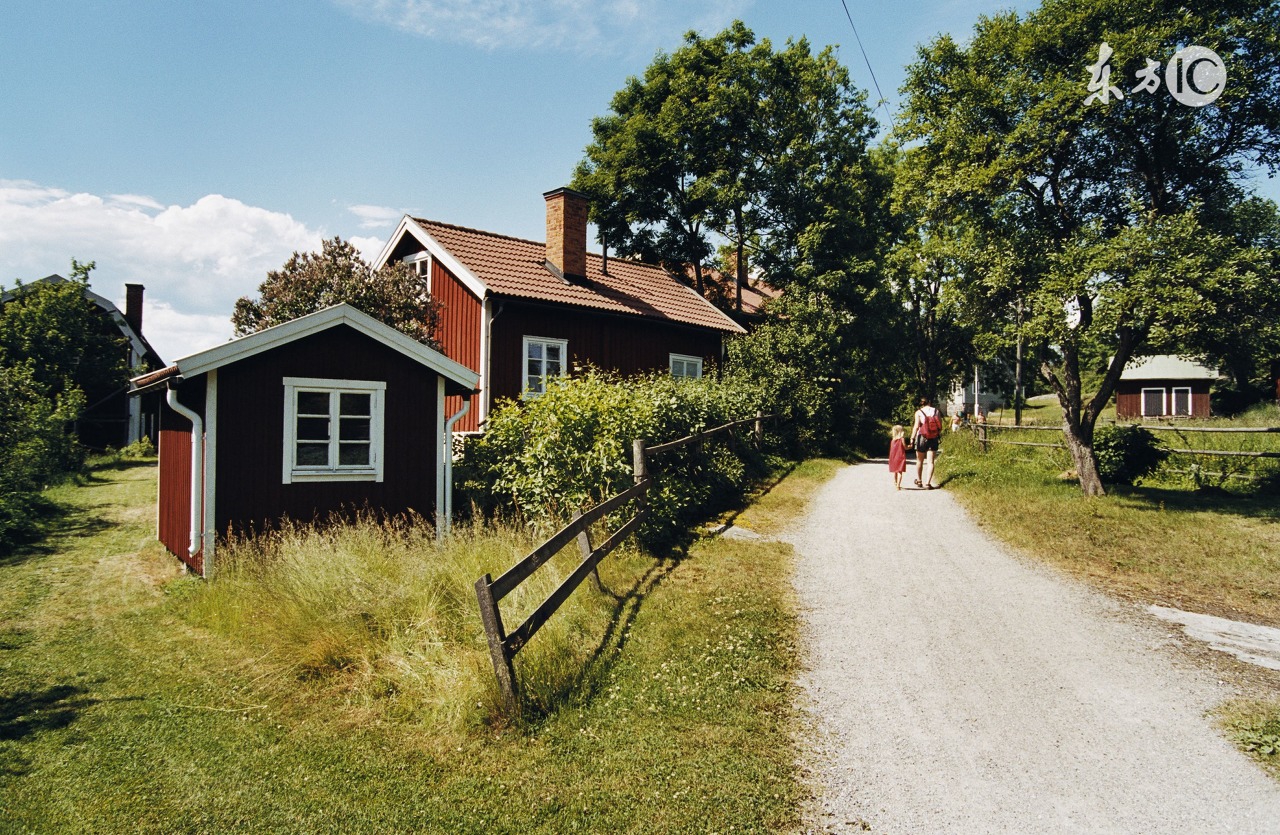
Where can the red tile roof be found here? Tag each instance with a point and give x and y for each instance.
(515, 267)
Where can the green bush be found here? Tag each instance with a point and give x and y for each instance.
(571, 448)
(1126, 453)
(35, 448)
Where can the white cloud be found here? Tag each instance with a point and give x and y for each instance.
(376, 217)
(195, 261)
(587, 26)
(368, 247)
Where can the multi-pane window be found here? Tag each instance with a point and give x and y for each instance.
(544, 359)
(686, 366)
(333, 429)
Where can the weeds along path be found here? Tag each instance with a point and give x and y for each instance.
(956, 687)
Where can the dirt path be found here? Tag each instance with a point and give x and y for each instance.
(956, 687)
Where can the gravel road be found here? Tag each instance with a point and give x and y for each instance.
(954, 686)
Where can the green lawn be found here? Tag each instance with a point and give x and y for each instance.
(121, 712)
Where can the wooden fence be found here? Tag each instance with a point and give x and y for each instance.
(981, 431)
(504, 645)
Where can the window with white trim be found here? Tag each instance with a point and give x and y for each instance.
(333, 429)
(1152, 402)
(544, 360)
(420, 264)
(1181, 401)
(683, 366)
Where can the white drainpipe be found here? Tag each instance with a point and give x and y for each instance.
(446, 519)
(197, 467)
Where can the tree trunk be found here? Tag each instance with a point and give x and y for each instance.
(1082, 454)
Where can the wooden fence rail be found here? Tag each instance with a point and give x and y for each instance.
(981, 431)
(504, 645)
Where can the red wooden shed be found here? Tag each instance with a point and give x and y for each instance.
(1163, 386)
(519, 313)
(329, 412)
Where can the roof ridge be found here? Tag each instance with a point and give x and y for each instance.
(473, 230)
(590, 254)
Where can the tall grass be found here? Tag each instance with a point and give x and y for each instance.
(386, 615)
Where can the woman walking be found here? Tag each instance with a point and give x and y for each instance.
(926, 429)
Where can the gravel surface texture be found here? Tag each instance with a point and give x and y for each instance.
(954, 686)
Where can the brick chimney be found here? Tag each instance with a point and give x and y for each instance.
(133, 306)
(567, 232)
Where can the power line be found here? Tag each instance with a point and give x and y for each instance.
(883, 102)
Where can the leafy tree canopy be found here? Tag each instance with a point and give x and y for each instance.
(727, 138)
(55, 331)
(312, 281)
(1111, 229)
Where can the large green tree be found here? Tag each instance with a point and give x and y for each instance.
(1100, 209)
(313, 281)
(53, 329)
(728, 139)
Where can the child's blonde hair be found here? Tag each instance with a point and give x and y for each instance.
(898, 431)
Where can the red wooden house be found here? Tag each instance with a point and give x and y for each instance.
(1162, 387)
(518, 313)
(330, 412)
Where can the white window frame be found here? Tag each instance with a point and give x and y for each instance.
(563, 344)
(1164, 402)
(291, 472)
(420, 263)
(1173, 401)
(684, 360)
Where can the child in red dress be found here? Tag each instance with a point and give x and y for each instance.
(897, 455)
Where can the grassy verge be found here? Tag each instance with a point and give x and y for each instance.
(134, 699)
(1202, 551)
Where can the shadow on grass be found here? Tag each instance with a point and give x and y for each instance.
(29, 712)
(48, 525)
(1263, 508)
(615, 637)
(763, 489)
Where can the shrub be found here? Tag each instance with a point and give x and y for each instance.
(571, 448)
(1126, 453)
(35, 448)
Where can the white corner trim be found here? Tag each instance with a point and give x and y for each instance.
(441, 522)
(210, 532)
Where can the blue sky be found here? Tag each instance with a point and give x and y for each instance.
(192, 147)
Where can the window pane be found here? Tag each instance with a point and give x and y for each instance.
(313, 455)
(534, 384)
(353, 455)
(355, 404)
(535, 350)
(353, 429)
(313, 403)
(553, 368)
(534, 368)
(553, 352)
(313, 429)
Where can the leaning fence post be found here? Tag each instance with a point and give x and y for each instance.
(639, 471)
(502, 667)
(759, 429)
(585, 549)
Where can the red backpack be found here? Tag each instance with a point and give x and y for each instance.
(931, 426)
